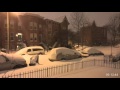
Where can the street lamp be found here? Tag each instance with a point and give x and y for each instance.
(8, 29)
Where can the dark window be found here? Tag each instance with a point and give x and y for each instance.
(29, 50)
(36, 49)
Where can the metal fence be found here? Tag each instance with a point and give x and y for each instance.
(65, 68)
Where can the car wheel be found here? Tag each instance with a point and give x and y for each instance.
(63, 59)
(17, 66)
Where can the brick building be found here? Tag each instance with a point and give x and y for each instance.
(93, 35)
(31, 29)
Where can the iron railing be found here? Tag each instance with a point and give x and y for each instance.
(65, 68)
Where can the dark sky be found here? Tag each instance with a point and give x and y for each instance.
(101, 18)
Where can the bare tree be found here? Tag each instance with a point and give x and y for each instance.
(78, 20)
(114, 26)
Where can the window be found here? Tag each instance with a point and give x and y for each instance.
(31, 25)
(29, 50)
(37, 49)
(11, 24)
(35, 26)
(35, 37)
(31, 37)
(12, 36)
(19, 26)
(40, 26)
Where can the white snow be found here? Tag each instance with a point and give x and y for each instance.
(44, 62)
(92, 72)
(63, 51)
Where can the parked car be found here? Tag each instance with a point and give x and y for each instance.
(32, 50)
(3, 50)
(89, 51)
(10, 61)
(116, 57)
(63, 53)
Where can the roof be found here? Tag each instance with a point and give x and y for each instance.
(61, 19)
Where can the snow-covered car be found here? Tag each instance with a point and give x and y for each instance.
(90, 51)
(11, 61)
(116, 57)
(63, 53)
(32, 50)
(3, 50)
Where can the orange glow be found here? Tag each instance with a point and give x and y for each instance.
(16, 13)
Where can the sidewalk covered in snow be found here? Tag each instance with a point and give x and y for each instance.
(92, 72)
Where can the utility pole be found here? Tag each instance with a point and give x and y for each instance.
(8, 29)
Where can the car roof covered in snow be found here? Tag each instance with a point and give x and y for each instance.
(24, 49)
(63, 49)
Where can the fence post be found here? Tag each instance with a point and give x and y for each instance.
(20, 75)
(67, 67)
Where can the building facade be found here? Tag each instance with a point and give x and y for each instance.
(31, 29)
(93, 35)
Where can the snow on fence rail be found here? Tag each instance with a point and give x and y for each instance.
(61, 69)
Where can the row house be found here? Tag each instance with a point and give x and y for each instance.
(31, 29)
(93, 35)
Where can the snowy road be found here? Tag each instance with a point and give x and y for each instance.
(44, 62)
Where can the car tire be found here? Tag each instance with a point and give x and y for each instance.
(63, 59)
(17, 66)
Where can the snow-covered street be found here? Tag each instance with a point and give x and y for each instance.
(44, 62)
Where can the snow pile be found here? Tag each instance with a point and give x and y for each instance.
(91, 51)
